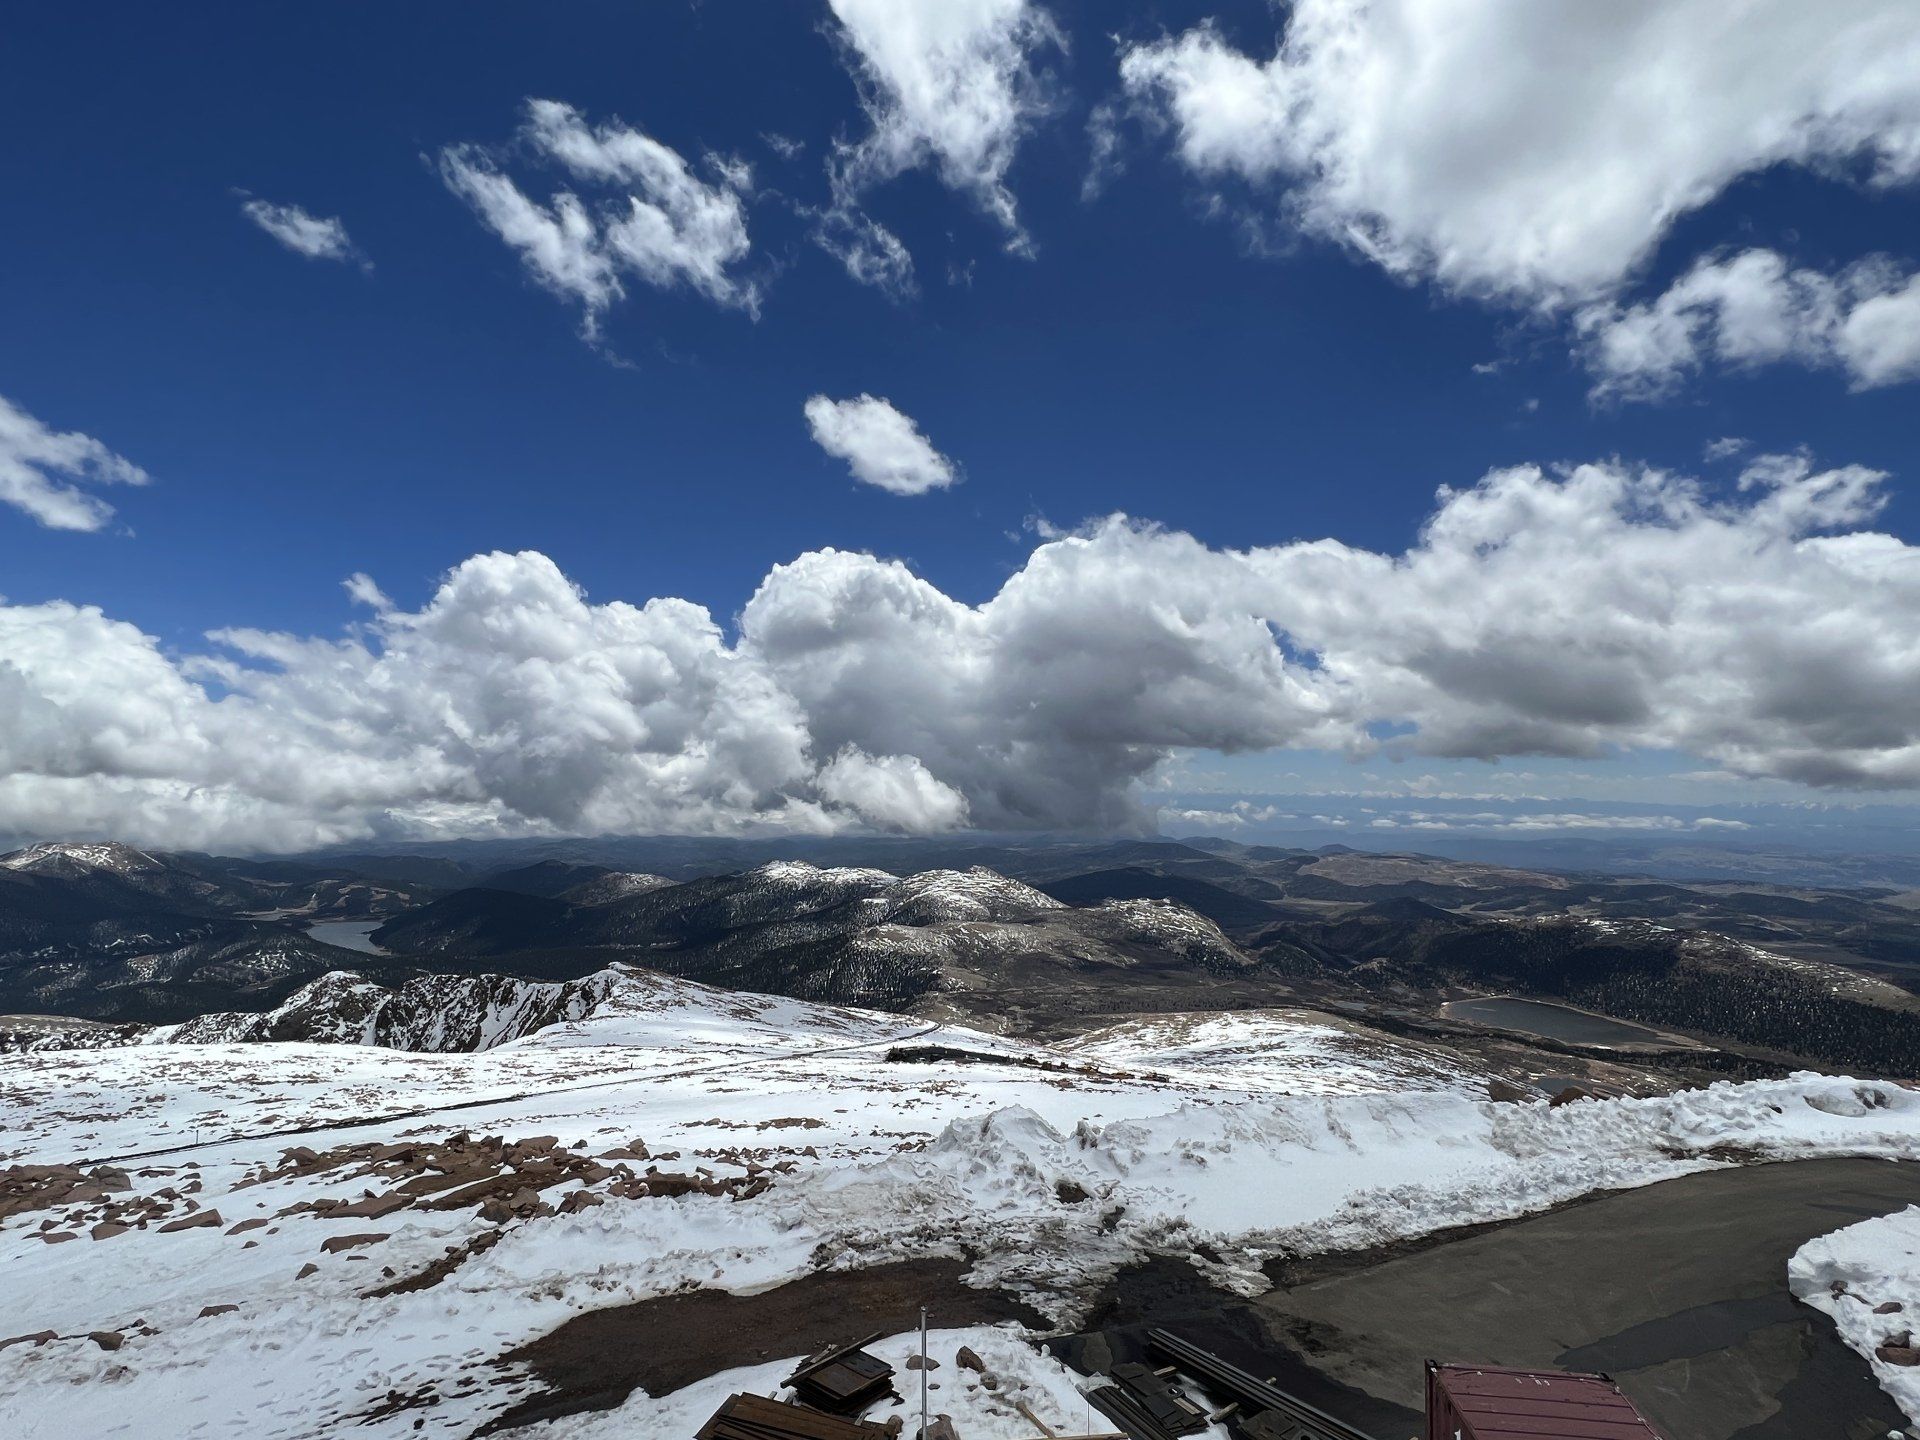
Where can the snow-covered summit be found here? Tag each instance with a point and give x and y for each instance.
(799, 875)
(61, 857)
(936, 897)
(620, 1005)
(615, 885)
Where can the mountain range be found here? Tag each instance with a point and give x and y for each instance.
(1050, 940)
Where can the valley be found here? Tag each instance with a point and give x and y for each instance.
(432, 1157)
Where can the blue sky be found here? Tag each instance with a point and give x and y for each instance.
(1186, 345)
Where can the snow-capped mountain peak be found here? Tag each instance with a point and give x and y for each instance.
(63, 855)
(934, 897)
(799, 875)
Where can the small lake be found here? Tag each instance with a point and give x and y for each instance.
(347, 934)
(1555, 1022)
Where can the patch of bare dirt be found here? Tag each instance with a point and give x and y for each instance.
(596, 1360)
(502, 1179)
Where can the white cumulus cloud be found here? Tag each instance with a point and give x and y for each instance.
(897, 793)
(317, 237)
(42, 472)
(1772, 632)
(1753, 309)
(881, 446)
(1534, 153)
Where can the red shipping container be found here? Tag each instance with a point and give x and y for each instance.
(1491, 1402)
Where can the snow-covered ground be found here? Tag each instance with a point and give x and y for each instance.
(1290, 1052)
(1867, 1277)
(800, 1145)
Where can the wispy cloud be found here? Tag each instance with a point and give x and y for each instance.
(317, 237)
(42, 472)
(655, 218)
(949, 84)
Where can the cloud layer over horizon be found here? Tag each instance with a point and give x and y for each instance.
(1769, 631)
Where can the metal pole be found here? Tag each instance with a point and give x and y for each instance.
(923, 1372)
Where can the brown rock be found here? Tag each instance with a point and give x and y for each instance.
(334, 1244)
(966, 1359)
(196, 1221)
(1898, 1354)
(245, 1225)
(107, 1339)
(670, 1184)
(374, 1206)
(446, 1178)
(306, 1270)
(107, 1229)
(475, 1193)
(1572, 1093)
(1505, 1092)
(206, 1310)
(37, 1339)
(54, 1237)
(1888, 1307)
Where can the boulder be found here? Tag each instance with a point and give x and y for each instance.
(374, 1206)
(198, 1220)
(1572, 1093)
(334, 1244)
(1898, 1354)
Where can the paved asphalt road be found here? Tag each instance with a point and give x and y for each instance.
(1678, 1290)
